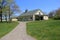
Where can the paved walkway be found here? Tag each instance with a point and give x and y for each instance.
(19, 33)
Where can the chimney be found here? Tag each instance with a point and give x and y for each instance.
(26, 10)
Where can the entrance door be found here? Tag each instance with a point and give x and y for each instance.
(41, 17)
(37, 17)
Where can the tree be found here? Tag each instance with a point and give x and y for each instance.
(52, 14)
(57, 15)
(2, 2)
(8, 6)
(12, 9)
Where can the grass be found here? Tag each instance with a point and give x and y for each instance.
(6, 28)
(44, 30)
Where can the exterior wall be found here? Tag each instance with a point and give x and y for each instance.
(32, 18)
(45, 17)
(26, 18)
(38, 13)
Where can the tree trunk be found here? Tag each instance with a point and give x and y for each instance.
(9, 15)
(6, 18)
(1, 13)
(1, 17)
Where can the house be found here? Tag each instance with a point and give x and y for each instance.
(14, 19)
(33, 15)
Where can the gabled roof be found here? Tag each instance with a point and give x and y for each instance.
(32, 12)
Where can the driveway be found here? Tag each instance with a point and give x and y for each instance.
(19, 33)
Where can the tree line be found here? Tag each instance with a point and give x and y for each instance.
(7, 8)
(55, 14)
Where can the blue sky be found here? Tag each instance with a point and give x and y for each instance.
(44, 5)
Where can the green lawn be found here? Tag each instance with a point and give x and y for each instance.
(44, 30)
(6, 28)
